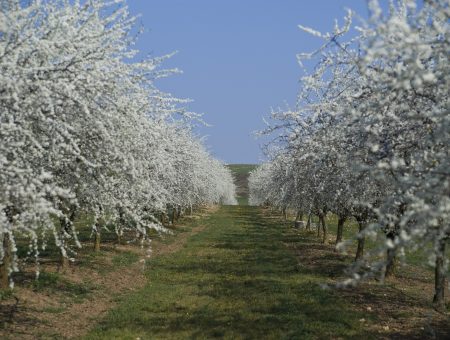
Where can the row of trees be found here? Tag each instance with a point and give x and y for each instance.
(83, 128)
(370, 138)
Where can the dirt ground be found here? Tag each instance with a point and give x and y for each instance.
(29, 313)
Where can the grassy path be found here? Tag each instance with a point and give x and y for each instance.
(235, 279)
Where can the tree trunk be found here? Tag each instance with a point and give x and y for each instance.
(361, 241)
(318, 228)
(5, 262)
(340, 228)
(308, 224)
(284, 214)
(122, 225)
(391, 260)
(324, 228)
(171, 215)
(97, 236)
(299, 216)
(163, 219)
(65, 225)
(98, 226)
(174, 216)
(391, 265)
(141, 238)
(439, 277)
(65, 263)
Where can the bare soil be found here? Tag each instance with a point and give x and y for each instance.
(29, 313)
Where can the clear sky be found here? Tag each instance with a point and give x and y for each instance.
(238, 59)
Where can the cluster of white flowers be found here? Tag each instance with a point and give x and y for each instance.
(370, 137)
(84, 128)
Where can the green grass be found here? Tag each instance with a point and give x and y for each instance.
(240, 173)
(418, 258)
(53, 310)
(236, 279)
(124, 259)
(54, 283)
(242, 200)
(241, 168)
(6, 294)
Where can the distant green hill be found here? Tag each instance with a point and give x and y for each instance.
(241, 173)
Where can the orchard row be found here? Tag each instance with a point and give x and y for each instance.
(84, 130)
(370, 138)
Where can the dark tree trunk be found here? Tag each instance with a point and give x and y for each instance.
(340, 228)
(5, 262)
(171, 213)
(324, 228)
(284, 214)
(391, 260)
(98, 227)
(163, 219)
(299, 216)
(121, 226)
(64, 261)
(308, 224)
(318, 228)
(439, 276)
(361, 240)
(97, 235)
(175, 214)
(391, 265)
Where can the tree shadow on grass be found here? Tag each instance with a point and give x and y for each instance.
(243, 278)
(236, 279)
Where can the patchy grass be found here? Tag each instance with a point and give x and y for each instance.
(236, 279)
(6, 294)
(53, 310)
(237, 272)
(52, 283)
(67, 304)
(124, 259)
(250, 276)
(240, 173)
(242, 168)
(242, 200)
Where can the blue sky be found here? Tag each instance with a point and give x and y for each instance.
(238, 59)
